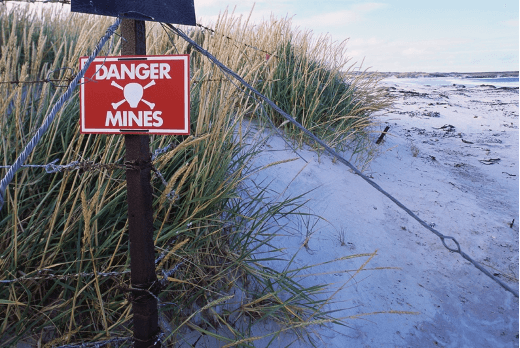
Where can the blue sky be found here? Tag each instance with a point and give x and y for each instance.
(401, 35)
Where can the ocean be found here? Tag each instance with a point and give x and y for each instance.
(449, 81)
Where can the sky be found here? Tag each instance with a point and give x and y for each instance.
(400, 35)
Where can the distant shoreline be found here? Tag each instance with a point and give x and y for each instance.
(472, 75)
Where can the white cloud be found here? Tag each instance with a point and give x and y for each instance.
(412, 51)
(338, 18)
(209, 10)
(437, 50)
(356, 13)
(360, 42)
(368, 7)
(407, 55)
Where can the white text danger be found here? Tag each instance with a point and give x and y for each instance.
(132, 71)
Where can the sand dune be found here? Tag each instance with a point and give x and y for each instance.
(451, 156)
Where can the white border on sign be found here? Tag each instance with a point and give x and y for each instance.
(84, 80)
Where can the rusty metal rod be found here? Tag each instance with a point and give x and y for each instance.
(380, 139)
(140, 215)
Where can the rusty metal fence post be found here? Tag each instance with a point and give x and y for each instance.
(140, 215)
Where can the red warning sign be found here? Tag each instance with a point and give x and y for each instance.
(136, 94)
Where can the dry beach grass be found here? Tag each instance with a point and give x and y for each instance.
(62, 235)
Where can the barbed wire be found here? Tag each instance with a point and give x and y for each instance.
(89, 166)
(269, 54)
(222, 80)
(162, 150)
(18, 82)
(133, 290)
(65, 2)
(52, 167)
(46, 80)
(46, 273)
(42, 275)
(50, 117)
(117, 341)
(332, 152)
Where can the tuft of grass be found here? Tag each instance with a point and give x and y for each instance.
(414, 149)
(314, 81)
(63, 236)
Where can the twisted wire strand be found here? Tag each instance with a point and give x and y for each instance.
(117, 341)
(50, 117)
(51, 276)
(87, 166)
(271, 54)
(17, 82)
(52, 167)
(341, 159)
(66, 2)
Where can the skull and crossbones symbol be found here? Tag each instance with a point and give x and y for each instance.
(133, 93)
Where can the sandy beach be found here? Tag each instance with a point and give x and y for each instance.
(451, 156)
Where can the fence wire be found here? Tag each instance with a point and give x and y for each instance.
(332, 152)
(114, 342)
(268, 54)
(52, 167)
(63, 2)
(44, 275)
(28, 82)
(50, 117)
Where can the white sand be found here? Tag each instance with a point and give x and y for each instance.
(461, 187)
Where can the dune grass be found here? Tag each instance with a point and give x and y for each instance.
(63, 240)
(326, 94)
